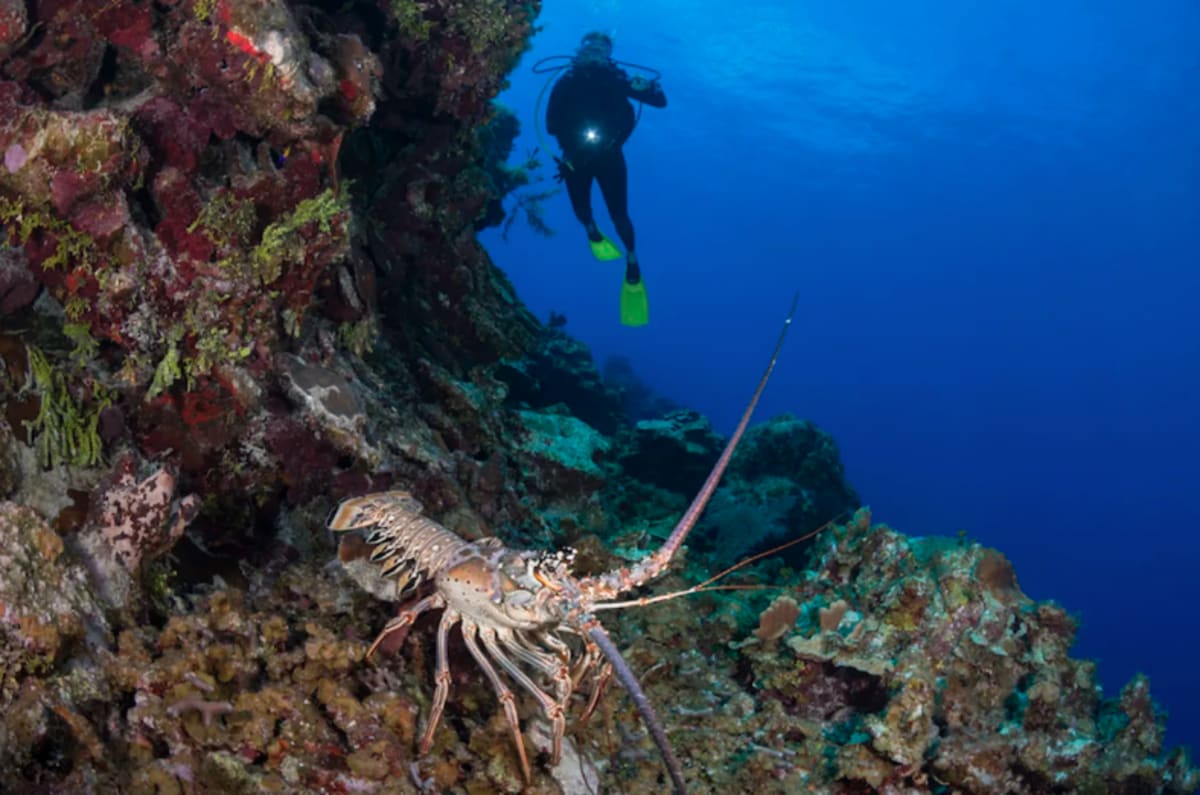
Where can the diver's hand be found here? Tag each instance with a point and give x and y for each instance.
(640, 84)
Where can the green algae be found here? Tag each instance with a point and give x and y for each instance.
(74, 248)
(166, 373)
(64, 431)
(282, 242)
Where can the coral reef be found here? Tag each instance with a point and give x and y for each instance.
(639, 401)
(674, 452)
(239, 281)
(560, 370)
(45, 603)
(187, 183)
(942, 673)
(785, 480)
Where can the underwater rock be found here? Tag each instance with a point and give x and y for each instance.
(575, 771)
(785, 446)
(63, 159)
(497, 138)
(10, 461)
(256, 700)
(638, 400)
(564, 453)
(14, 20)
(174, 178)
(561, 370)
(675, 452)
(786, 479)
(18, 288)
(46, 604)
(952, 678)
(327, 400)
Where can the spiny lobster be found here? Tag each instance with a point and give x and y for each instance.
(519, 604)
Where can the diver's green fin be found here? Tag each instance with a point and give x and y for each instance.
(635, 311)
(604, 249)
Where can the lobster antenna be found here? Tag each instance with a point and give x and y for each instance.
(695, 589)
(707, 585)
(607, 586)
(663, 556)
(766, 553)
(644, 707)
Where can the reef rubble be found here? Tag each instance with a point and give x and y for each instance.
(240, 281)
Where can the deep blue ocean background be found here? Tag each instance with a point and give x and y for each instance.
(992, 215)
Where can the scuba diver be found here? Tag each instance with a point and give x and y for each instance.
(591, 116)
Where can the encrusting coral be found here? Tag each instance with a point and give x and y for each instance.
(130, 522)
(239, 281)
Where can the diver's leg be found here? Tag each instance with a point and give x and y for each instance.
(579, 191)
(613, 177)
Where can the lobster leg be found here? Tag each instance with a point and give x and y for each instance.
(405, 618)
(556, 645)
(528, 651)
(469, 628)
(442, 677)
(599, 685)
(591, 657)
(555, 667)
(553, 709)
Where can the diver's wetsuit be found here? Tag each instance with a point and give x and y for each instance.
(591, 116)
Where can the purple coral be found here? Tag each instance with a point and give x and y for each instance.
(15, 157)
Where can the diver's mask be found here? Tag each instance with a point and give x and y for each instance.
(594, 50)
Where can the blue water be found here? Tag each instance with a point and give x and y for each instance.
(992, 215)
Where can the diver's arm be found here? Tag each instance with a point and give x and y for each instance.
(647, 91)
(556, 108)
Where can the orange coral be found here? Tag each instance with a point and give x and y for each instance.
(830, 617)
(776, 620)
(995, 572)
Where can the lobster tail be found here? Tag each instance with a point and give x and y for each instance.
(361, 513)
(407, 545)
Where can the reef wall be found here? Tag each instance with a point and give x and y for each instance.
(239, 281)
